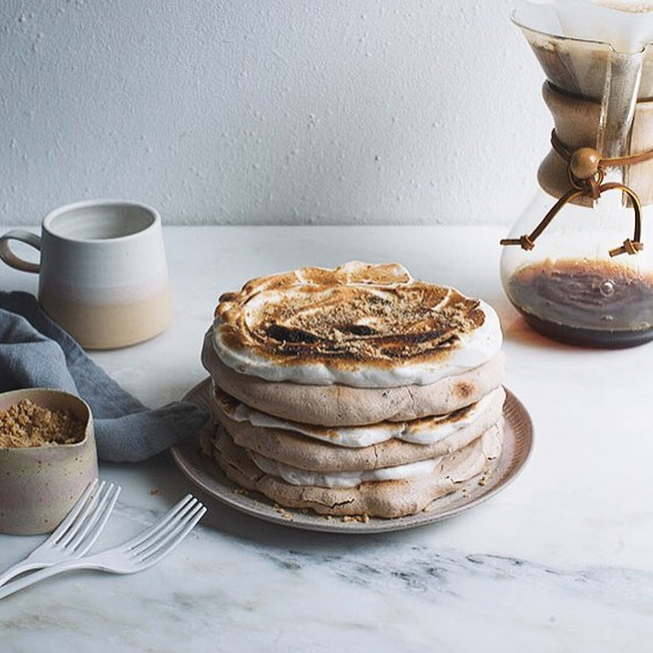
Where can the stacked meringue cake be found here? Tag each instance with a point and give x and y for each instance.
(357, 391)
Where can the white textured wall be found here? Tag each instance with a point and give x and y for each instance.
(270, 111)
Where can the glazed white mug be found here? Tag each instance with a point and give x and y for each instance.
(102, 271)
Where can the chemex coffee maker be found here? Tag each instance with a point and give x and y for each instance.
(578, 264)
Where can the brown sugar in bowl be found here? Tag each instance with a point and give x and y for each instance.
(40, 484)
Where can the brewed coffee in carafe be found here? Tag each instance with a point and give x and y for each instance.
(577, 264)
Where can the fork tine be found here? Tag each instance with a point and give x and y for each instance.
(81, 503)
(175, 537)
(161, 524)
(161, 540)
(81, 518)
(168, 523)
(87, 535)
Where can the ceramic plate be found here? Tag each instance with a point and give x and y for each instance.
(517, 444)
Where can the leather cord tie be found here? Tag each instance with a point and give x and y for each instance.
(586, 171)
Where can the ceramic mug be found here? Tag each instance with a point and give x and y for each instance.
(102, 271)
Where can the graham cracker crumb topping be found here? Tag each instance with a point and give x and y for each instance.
(27, 424)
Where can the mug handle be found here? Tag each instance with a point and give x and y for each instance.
(10, 258)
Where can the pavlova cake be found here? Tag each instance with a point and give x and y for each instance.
(354, 391)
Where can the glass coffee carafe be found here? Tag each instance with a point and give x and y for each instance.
(577, 264)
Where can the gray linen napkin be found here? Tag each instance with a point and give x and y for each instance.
(35, 352)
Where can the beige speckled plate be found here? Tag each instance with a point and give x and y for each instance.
(517, 444)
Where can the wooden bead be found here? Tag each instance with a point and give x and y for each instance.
(584, 163)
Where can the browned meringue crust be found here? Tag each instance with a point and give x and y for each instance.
(340, 405)
(354, 313)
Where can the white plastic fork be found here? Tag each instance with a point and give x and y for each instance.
(137, 554)
(75, 534)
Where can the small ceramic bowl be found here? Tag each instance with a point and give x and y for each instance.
(40, 485)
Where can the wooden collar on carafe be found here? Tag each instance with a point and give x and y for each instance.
(586, 172)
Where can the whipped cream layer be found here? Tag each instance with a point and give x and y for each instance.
(427, 430)
(369, 326)
(297, 476)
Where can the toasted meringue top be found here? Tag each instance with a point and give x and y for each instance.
(359, 325)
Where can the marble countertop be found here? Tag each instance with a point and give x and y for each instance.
(560, 560)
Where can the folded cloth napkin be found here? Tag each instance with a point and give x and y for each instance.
(36, 352)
